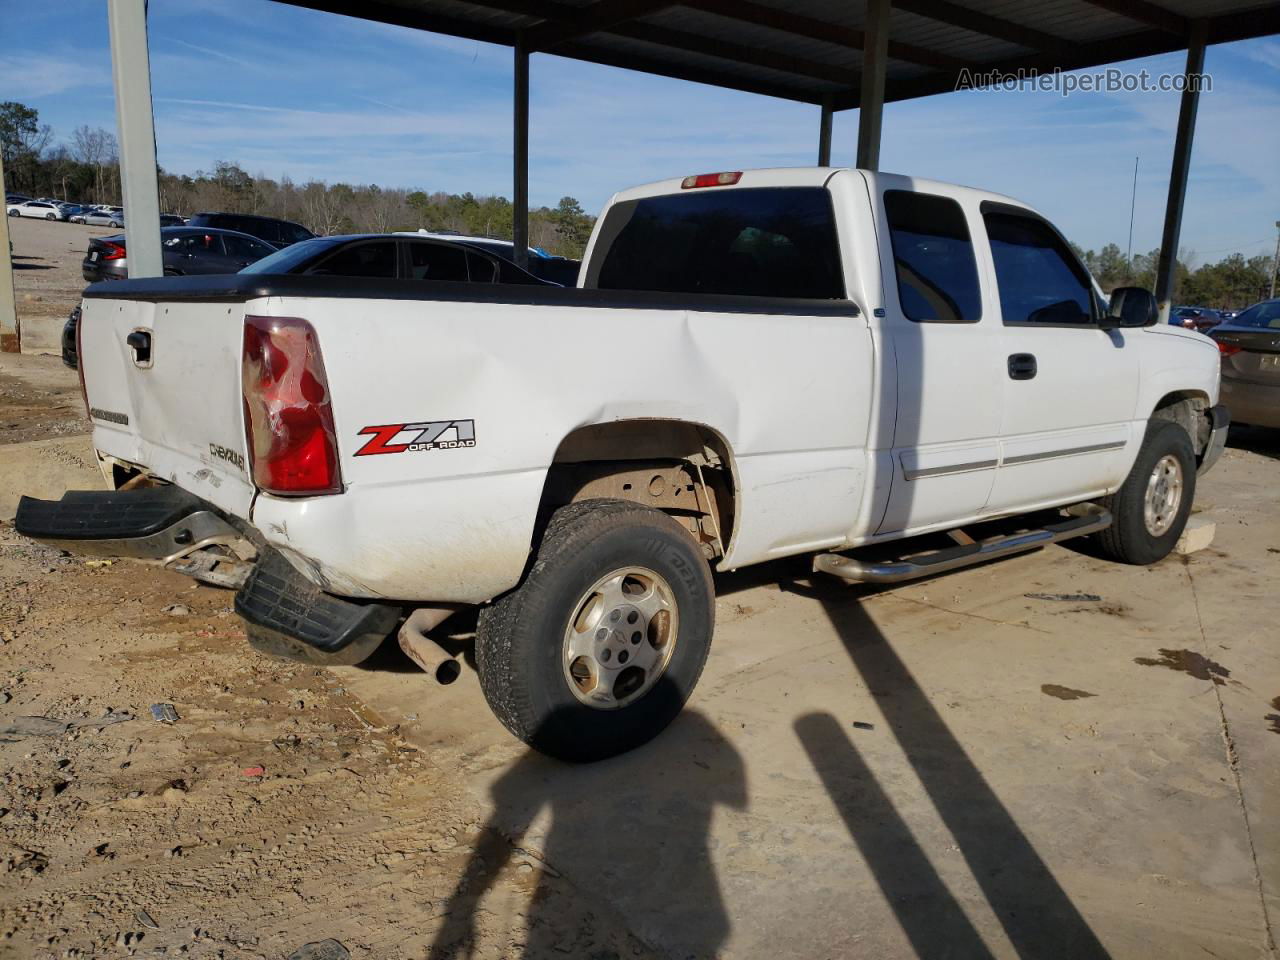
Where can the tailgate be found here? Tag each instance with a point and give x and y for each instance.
(177, 411)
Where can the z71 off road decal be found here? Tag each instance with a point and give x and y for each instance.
(416, 437)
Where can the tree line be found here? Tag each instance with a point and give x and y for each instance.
(87, 168)
(1234, 282)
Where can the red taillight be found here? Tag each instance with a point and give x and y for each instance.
(84, 391)
(111, 251)
(711, 180)
(293, 447)
(1228, 349)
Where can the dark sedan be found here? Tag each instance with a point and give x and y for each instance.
(402, 257)
(1250, 347)
(1195, 318)
(186, 250)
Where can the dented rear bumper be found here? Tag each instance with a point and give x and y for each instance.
(285, 614)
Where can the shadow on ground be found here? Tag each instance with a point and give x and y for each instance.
(635, 831)
(1264, 441)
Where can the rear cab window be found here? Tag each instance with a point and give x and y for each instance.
(754, 241)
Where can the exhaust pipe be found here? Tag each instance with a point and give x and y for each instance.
(421, 649)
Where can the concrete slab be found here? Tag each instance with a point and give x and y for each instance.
(1040, 778)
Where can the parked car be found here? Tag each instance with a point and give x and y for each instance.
(13, 198)
(104, 217)
(1250, 347)
(757, 365)
(185, 250)
(1195, 318)
(70, 211)
(40, 209)
(545, 266)
(172, 220)
(278, 233)
(389, 257)
(69, 338)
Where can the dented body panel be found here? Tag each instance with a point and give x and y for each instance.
(839, 422)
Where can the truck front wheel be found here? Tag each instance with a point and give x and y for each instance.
(1151, 508)
(600, 646)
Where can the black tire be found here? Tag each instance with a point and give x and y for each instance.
(114, 224)
(51, 216)
(1128, 539)
(520, 637)
(14, 213)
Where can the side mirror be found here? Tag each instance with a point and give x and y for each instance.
(1131, 307)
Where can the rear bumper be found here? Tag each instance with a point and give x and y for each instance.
(1253, 403)
(1219, 423)
(285, 614)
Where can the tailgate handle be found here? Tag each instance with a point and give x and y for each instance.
(139, 342)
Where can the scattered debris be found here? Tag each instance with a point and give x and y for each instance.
(289, 741)
(1064, 693)
(254, 773)
(178, 610)
(1274, 718)
(1065, 597)
(321, 950)
(144, 918)
(50, 727)
(863, 725)
(164, 713)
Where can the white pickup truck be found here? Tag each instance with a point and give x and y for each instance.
(754, 365)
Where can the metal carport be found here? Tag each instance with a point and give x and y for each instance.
(836, 55)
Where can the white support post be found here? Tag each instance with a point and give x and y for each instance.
(131, 71)
(10, 341)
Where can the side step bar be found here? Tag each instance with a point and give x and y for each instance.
(1092, 520)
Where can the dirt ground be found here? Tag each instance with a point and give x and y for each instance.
(46, 276)
(1051, 756)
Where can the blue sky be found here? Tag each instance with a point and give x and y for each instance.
(287, 91)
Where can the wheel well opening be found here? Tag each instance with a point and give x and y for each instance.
(683, 469)
(1190, 410)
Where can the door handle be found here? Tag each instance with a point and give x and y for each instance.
(139, 342)
(1022, 366)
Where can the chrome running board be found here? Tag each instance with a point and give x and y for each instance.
(1089, 519)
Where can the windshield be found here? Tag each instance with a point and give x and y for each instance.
(1265, 314)
(293, 257)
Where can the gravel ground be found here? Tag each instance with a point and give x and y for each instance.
(46, 276)
(146, 839)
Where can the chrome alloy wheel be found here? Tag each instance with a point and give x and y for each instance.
(620, 638)
(1164, 496)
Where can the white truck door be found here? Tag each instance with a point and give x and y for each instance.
(945, 344)
(1070, 388)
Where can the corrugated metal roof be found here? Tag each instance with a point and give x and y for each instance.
(809, 50)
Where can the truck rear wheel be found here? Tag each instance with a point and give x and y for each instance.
(600, 646)
(1151, 508)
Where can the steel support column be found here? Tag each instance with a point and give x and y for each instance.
(131, 71)
(875, 53)
(1166, 271)
(520, 187)
(824, 132)
(9, 331)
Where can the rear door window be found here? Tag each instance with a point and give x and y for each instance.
(1040, 279)
(436, 261)
(758, 242)
(376, 260)
(242, 248)
(933, 258)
